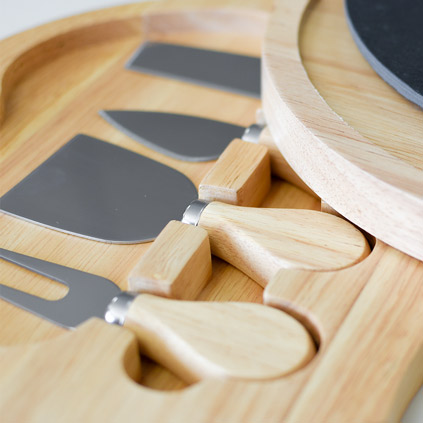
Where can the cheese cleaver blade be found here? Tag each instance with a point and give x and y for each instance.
(183, 137)
(100, 191)
(226, 71)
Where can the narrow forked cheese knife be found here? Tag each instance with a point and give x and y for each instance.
(195, 340)
(227, 71)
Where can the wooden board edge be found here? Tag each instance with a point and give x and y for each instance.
(305, 128)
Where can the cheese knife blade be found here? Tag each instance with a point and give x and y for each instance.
(98, 190)
(226, 71)
(183, 137)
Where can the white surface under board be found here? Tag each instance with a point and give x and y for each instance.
(18, 15)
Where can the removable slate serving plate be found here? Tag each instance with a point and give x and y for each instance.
(389, 34)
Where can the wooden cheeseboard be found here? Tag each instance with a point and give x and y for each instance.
(365, 319)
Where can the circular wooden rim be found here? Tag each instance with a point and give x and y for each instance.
(349, 172)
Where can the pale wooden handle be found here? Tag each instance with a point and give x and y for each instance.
(197, 340)
(279, 165)
(241, 175)
(177, 264)
(261, 241)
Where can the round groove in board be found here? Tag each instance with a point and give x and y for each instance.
(355, 141)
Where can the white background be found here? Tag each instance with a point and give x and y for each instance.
(19, 15)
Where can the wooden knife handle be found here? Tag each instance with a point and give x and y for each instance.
(261, 241)
(197, 340)
(240, 176)
(177, 264)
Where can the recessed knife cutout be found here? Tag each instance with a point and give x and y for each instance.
(216, 69)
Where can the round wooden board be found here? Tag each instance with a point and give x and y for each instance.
(351, 137)
(55, 78)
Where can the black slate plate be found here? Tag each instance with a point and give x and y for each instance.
(389, 34)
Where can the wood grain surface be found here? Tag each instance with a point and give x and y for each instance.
(365, 320)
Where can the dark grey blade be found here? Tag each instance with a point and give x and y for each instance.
(183, 137)
(100, 191)
(88, 296)
(226, 71)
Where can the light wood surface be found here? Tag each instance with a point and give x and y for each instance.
(54, 80)
(364, 371)
(372, 150)
(198, 340)
(177, 264)
(241, 175)
(261, 241)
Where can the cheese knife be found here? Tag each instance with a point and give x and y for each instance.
(195, 340)
(194, 138)
(183, 137)
(100, 191)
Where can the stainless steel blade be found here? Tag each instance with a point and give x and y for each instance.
(100, 191)
(183, 137)
(88, 295)
(226, 71)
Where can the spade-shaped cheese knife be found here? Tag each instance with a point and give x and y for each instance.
(104, 192)
(195, 340)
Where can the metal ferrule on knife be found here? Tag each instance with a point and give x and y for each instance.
(193, 212)
(118, 308)
(252, 133)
